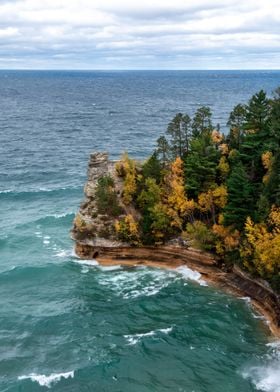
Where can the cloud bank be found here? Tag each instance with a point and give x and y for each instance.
(158, 34)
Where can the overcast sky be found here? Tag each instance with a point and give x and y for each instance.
(143, 34)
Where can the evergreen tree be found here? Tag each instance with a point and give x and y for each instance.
(163, 150)
(239, 204)
(180, 132)
(202, 121)
(201, 165)
(257, 113)
(272, 189)
(236, 123)
(152, 168)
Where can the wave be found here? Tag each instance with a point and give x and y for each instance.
(190, 274)
(47, 381)
(267, 378)
(91, 263)
(137, 282)
(38, 191)
(134, 339)
(50, 218)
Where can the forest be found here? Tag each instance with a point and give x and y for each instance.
(213, 191)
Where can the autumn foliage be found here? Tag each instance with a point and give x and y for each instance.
(218, 192)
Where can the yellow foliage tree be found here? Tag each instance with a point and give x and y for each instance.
(214, 198)
(261, 250)
(227, 239)
(223, 167)
(178, 206)
(127, 229)
(217, 137)
(126, 168)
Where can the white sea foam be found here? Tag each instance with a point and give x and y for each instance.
(134, 339)
(47, 381)
(63, 252)
(91, 263)
(190, 274)
(138, 282)
(246, 299)
(266, 377)
(6, 191)
(62, 215)
(110, 267)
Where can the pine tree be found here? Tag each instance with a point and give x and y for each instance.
(152, 168)
(202, 121)
(236, 123)
(201, 165)
(239, 204)
(180, 132)
(163, 150)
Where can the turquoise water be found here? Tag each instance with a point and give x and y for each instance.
(71, 326)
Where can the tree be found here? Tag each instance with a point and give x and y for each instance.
(178, 206)
(213, 200)
(201, 165)
(152, 168)
(272, 188)
(202, 121)
(257, 113)
(163, 150)
(236, 123)
(180, 132)
(106, 197)
(240, 197)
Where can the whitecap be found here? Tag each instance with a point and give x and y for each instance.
(267, 377)
(134, 339)
(47, 381)
(190, 274)
(6, 191)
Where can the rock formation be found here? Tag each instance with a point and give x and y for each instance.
(95, 238)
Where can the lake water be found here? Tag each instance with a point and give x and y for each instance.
(69, 326)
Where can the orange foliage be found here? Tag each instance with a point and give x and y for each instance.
(227, 239)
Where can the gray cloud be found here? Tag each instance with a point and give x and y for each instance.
(164, 34)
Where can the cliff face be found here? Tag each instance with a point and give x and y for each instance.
(91, 227)
(95, 238)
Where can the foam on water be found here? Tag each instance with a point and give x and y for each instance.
(266, 377)
(137, 282)
(134, 339)
(47, 381)
(190, 274)
(91, 263)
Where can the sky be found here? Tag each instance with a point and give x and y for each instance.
(145, 34)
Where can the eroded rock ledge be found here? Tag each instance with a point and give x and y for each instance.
(90, 244)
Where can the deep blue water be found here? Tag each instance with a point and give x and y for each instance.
(109, 330)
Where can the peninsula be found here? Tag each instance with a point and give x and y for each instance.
(204, 200)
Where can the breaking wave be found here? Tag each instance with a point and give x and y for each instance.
(47, 381)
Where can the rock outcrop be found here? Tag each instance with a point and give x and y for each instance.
(95, 238)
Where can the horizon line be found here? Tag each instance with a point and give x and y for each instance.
(138, 69)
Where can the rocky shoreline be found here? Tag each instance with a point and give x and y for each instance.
(92, 233)
(235, 282)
